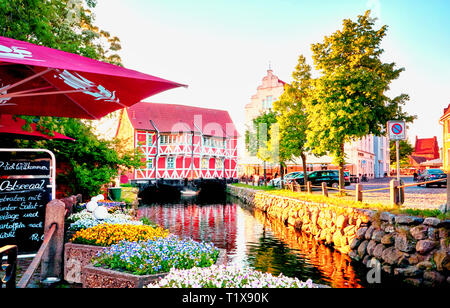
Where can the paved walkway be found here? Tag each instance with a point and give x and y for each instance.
(415, 197)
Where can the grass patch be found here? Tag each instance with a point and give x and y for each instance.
(425, 213)
(343, 202)
(265, 188)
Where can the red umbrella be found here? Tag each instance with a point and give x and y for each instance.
(9, 126)
(36, 80)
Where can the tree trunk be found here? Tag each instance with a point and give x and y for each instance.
(265, 174)
(282, 175)
(305, 173)
(341, 178)
(341, 172)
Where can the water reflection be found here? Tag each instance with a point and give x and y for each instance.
(306, 256)
(251, 238)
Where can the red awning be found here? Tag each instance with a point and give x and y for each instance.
(40, 81)
(9, 126)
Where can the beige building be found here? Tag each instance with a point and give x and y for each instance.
(267, 92)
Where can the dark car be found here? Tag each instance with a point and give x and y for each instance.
(331, 177)
(431, 175)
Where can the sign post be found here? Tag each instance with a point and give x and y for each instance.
(397, 132)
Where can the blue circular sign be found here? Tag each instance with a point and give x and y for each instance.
(397, 129)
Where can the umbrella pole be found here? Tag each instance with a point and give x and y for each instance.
(26, 80)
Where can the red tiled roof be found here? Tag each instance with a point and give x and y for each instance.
(418, 159)
(181, 118)
(427, 146)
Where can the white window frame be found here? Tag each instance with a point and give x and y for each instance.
(170, 163)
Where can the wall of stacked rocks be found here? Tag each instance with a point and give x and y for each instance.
(414, 248)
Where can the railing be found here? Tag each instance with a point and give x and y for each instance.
(397, 192)
(49, 255)
(9, 280)
(25, 280)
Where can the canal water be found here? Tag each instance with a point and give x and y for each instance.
(253, 239)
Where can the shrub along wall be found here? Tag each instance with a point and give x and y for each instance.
(415, 248)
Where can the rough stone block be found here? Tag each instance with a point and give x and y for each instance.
(361, 232)
(378, 235)
(76, 257)
(419, 232)
(425, 246)
(362, 248)
(378, 251)
(385, 216)
(369, 233)
(391, 255)
(408, 220)
(432, 221)
(387, 239)
(402, 243)
(371, 247)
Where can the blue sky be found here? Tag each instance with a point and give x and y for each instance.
(222, 48)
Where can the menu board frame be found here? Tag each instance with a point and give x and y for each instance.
(26, 186)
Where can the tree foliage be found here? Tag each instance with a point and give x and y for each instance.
(348, 100)
(257, 136)
(92, 162)
(292, 117)
(405, 150)
(68, 25)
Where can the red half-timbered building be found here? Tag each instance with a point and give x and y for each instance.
(180, 142)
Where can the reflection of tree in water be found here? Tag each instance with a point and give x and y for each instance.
(275, 257)
(300, 255)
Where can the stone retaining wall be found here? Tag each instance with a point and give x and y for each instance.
(414, 248)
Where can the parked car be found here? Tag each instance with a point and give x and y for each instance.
(347, 178)
(433, 174)
(331, 177)
(287, 178)
(293, 177)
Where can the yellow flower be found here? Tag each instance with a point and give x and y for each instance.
(109, 234)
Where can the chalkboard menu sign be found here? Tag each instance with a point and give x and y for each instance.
(21, 167)
(22, 212)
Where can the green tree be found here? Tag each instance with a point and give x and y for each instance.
(405, 150)
(348, 100)
(68, 25)
(292, 117)
(257, 135)
(92, 162)
(257, 138)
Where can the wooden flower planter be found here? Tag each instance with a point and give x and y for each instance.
(79, 269)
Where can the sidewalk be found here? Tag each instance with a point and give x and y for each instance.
(415, 197)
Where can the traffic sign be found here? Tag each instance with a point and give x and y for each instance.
(397, 130)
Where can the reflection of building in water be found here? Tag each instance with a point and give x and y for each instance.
(248, 232)
(215, 223)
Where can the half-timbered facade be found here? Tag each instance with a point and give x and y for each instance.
(180, 142)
